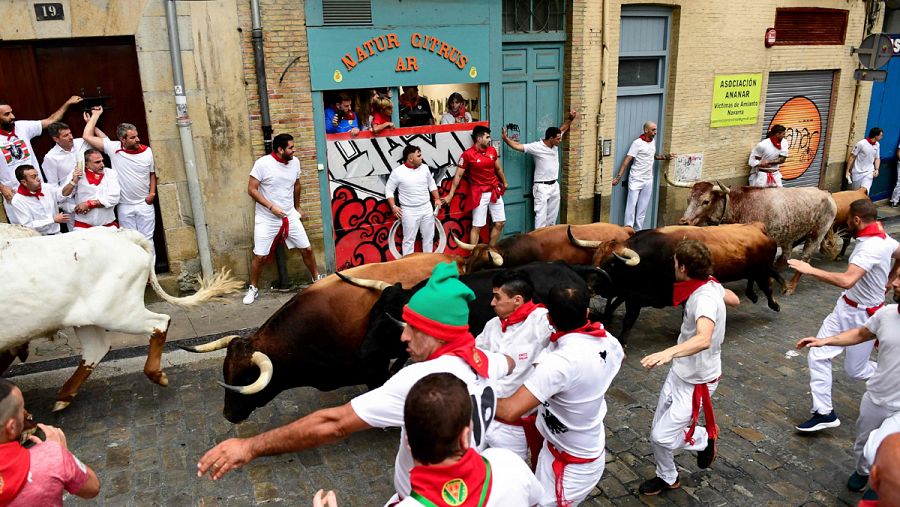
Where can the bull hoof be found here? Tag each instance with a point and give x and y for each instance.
(752, 297)
(774, 306)
(158, 377)
(59, 405)
(788, 290)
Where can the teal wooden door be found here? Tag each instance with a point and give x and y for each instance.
(532, 99)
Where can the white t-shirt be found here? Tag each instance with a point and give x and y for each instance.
(884, 384)
(107, 192)
(16, 150)
(523, 342)
(58, 163)
(765, 150)
(383, 407)
(546, 160)
(872, 254)
(38, 212)
(865, 154)
(449, 119)
(133, 170)
(570, 381)
(512, 482)
(641, 173)
(705, 366)
(276, 183)
(415, 185)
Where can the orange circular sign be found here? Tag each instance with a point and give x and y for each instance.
(801, 118)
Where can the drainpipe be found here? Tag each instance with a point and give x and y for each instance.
(604, 65)
(187, 143)
(259, 61)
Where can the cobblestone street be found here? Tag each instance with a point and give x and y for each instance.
(144, 440)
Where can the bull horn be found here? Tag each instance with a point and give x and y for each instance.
(628, 256)
(264, 364)
(212, 346)
(676, 183)
(496, 258)
(364, 282)
(580, 242)
(465, 246)
(395, 320)
(722, 188)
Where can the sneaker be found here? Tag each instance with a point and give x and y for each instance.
(857, 482)
(706, 457)
(252, 293)
(870, 494)
(656, 486)
(894, 204)
(318, 277)
(820, 422)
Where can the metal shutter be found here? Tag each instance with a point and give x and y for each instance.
(810, 26)
(346, 12)
(805, 136)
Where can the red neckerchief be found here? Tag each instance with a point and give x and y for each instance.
(873, 229)
(646, 139)
(459, 341)
(519, 314)
(683, 290)
(466, 483)
(24, 191)
(594, 329)
(460, 112)
(10, 134)
(871, 141)
(15, 462)
(407, 165)
(701, 399)
(140, 149)
(93, 178)
(775, 142)
(276, 157)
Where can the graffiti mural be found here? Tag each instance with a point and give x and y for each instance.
(801, 117)
(358, 169)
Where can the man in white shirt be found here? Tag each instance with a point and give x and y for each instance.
(61, 160)
(640, 155)
(881, 401)
(868, 273)
(275, 186)
(568, 387)
(864, 160)
(521, 331)
(895, 196)
(766, 159)
(546, 170)
(37, 204)
(16, 150)
(448, 471)
(414, 181)
(438, 341)
(96, 193)
(696, 368)
(136, 171)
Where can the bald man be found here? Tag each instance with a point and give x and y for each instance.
(640, 155)
(885, 478)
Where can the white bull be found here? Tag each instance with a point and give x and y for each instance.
(91, 280)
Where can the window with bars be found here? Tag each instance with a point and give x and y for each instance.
(534, 16)
(810, 26)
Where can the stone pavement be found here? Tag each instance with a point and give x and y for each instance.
(144, 440)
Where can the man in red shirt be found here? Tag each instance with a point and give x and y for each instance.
(487, 183)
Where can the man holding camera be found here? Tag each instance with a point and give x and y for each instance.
(340, 118)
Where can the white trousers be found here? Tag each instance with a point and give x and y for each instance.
(546, 204)
(139, 217)
(856, 361)
(578, 480)
(507, 436)
(670, 424)
(761, 179)
(862, 181)
(871, 417)
(415, 220)
(890, 426)
(895, 196)
(636, 206)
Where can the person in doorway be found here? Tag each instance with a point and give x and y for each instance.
(864, 161)
(36, 204)
(415, 111)
(640, 156)
(97, 193)
(456, 110)
(895, 196)
(339, 116)
(696, 368)
(487, 183)
(63, 158)
(766, 159)
(16, 150)
(868, 273)
(382, 108)
(546, 170)
(275, 186)
(414, 181)
(136, 172)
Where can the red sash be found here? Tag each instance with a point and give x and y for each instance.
(683, 290)
(701, 397)
(466, 483)
(873, 229)
(475, 191)
(15, 462)
(561, 460)
(82, 225)
(770, 180)
(519, 315)
(594, 329)
(870, 310)
(280, 237)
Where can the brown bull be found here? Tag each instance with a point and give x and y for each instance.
(544, 244)
(314, 339)
(843, 200)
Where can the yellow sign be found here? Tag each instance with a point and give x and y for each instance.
(735, 100)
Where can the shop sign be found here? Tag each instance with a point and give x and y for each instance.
(735, 100)
(895, 43)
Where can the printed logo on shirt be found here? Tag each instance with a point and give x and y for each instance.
(603, 355)
(454, 492)
(523, 356)
(553, 424)
(15, 151)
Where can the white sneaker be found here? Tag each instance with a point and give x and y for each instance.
(317, 278)
(252, 292)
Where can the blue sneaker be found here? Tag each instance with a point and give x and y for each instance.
(870, 494)
(820, 422)
(857, 482)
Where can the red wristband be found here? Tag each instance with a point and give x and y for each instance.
(94, 203)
